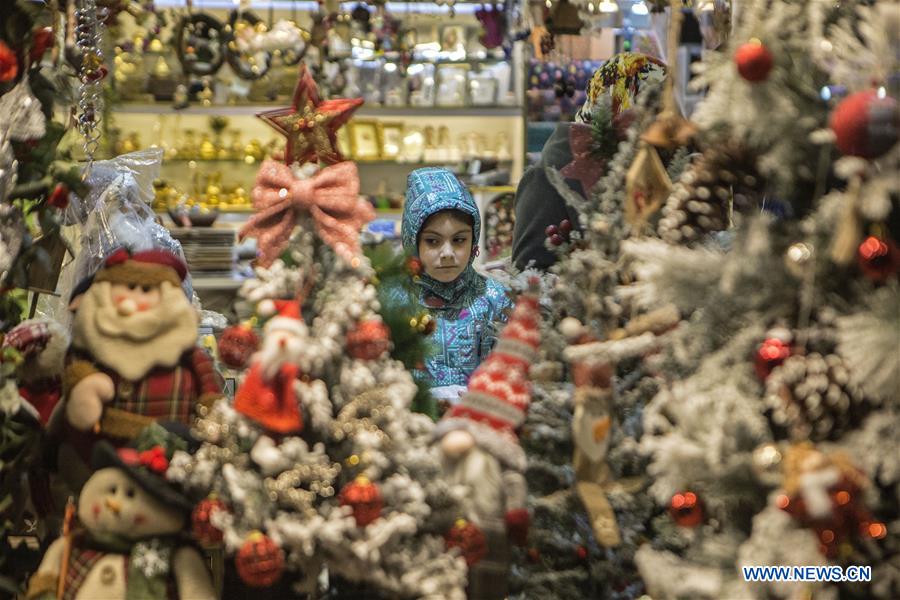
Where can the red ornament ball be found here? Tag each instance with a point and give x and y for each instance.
(9, 63)
(237, 344)
(534, 555)
(879, 258)
(754, 61)
(865, 124)
(771, 353)
(686, 509)
(204, 531)
(364, 498)
(369, 340)
(469, 538)
(259, 562)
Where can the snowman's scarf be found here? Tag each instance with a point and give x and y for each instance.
(149, 564)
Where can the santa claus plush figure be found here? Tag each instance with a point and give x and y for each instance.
(481, 450)
(128, 540)
(134, 357)
(268, 394)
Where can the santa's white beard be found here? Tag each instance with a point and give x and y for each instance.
(273, 354)
(482, 475)
(132, 345)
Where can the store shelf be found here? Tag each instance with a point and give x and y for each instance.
(365, 111)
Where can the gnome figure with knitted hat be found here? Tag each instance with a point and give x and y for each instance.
(481, 449)
(133, 358)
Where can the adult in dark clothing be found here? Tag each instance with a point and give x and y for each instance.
(538, 204)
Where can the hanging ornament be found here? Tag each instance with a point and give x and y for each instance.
(754, 61)
(310, 124)
(811, 396)
(471, 541)
(772, 352)
(866, 124)
(237, 345)
(879, 258)
(686, 509)
(89, 30)
(259, 562)
(364, 497)
(647, 186)
(369, 340)
(204, 531)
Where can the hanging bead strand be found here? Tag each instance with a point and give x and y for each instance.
(88, 35)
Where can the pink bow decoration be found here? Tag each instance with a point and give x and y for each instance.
(331, 196)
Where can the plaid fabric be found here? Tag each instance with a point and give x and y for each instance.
(28, 338)
(169, 395)
(81, 561)
(166, 394)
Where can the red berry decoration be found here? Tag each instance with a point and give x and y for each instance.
(534, 555)
(879, 258)
(59, 197)
(414, 266)
(364, 498)
(686, 509)
(865, 124)
(754, 61)
(565, 227)
(204, 531)
(556, 239)
(581, 552)
(551, 230)
(771, 353)
(469, 538)
(9, 64)
(259, 562)
(237, 344)
(369, 340)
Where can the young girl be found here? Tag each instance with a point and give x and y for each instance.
(441, 226)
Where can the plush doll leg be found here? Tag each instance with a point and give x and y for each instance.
(43, 584)
(191, 575)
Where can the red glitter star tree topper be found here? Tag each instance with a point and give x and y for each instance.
(310, 124)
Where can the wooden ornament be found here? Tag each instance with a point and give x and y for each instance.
(647, 186)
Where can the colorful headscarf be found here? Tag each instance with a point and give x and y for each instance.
(620, 77)
(428, 191)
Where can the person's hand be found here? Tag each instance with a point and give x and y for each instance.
(84, 406)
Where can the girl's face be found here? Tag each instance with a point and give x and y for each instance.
(445, 246)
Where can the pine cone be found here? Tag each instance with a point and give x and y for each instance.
(812, 397)
(699, 203)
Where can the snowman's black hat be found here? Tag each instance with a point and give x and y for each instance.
(146, 460)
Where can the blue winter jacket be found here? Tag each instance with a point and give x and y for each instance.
(467, 311)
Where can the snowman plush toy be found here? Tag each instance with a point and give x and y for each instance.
(128, 542)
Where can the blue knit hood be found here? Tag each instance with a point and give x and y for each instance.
(428, 191)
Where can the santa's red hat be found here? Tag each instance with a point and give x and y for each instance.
(149, 267)
(285, 316)
(494, 406)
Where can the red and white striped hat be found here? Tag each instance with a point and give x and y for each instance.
(494, 406)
